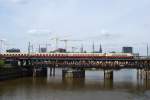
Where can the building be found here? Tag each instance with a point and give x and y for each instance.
(127, 49)
(43, 50)
(13, 50)
(100, 49)
(61, 50)
(136, 55)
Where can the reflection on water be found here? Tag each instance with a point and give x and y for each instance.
(124, 86)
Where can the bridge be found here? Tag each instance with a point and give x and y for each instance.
(77, 63)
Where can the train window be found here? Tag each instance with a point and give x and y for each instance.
(46, 54)
(65, 55)
(42, 54)
(82, 55)
(59, 54)
(50, 54)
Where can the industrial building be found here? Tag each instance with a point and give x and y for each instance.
(127, 49)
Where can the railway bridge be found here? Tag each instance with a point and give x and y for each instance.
(74, 65)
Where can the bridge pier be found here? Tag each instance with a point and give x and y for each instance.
(146, 74)
(108, 74)
(39, 71)
(51, 71)
(21, 63)
(139, 74)
(143, 74)
(73, 73)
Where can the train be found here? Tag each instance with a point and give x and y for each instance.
(69, 55)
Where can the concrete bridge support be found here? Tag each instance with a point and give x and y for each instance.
(73, 73)
(108, 74)
(39, 72)
(143, 74)
(139, 74)
(146, 74)
(51, 71)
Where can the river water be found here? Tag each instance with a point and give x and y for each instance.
(124, 86)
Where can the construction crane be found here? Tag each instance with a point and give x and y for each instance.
(45, 46)
(66, 42)
(81, 49)
(56, 41)
(2, 42)
(30, 48)
(57, 38)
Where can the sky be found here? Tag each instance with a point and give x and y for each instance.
(111, 23)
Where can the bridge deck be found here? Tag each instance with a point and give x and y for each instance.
(79, 62)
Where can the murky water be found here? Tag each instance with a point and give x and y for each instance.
(124, 86)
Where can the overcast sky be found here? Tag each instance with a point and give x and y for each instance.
(113, 23)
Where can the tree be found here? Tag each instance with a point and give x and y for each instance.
(2, 63)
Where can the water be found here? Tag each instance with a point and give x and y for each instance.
(124, 86)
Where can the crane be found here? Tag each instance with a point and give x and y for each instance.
(66, 42)
(2, 42)
(56, 41)
(57, 38)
